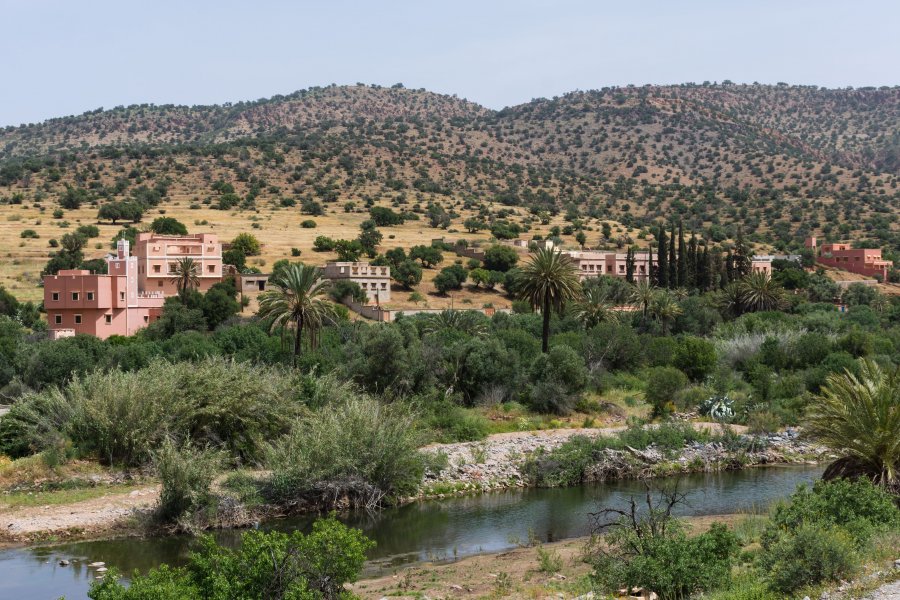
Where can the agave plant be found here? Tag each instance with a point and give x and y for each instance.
(859, 418)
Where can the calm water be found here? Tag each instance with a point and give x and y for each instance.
(432, 530)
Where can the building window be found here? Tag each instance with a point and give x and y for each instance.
(211, 268)
(78, 319)
(57, 319)
(90, 295)
(108, 319)
(55, 296)
(75, 296)
(159, 284)
(121, 295)
(146, 318)
(157, 269)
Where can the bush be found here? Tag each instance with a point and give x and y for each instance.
(558, 376)
(308, 224)
(663, 559)
(123, 418)
(246, 243)
(315, 566)
(663, 383)
(186, 475)
(358, 449)
(813, 554)
(695, 357)
(29, 234)
(859, 507)
(456, 424)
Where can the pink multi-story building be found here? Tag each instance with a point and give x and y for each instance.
(78, 301)
(593, 263)
(865, 261)
(158, 255)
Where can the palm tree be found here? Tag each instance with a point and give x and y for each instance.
(185, 274)
(665, 309)
(467, 321)
(731, 300)
(595, 308)
(549, 281)
(643, 295)
(760, 292)
(299, 300)
(859, 418)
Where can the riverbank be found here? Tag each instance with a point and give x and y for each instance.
(471, 467)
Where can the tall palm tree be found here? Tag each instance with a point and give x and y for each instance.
(548, 281)
(859, 418)
(665, 309)
(642, 296)
(595, 308)
(299, 300)
(761, 292)
(185, 275)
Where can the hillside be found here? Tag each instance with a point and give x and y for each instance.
(780, 161)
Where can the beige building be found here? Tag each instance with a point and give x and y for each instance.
(157, 256)
(375, 281)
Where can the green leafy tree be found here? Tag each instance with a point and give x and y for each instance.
(168, 226)
(548, 282)
(429, 256)
(246, 243)
(407, 273)
(500, 258)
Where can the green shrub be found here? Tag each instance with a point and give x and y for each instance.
(454, 423)
(558, 376)
(663, 383)
(122, 418)
(814, 553)
(308, 224)
(664, 559)
(315, 566)
(695, 357)
(859, 507)
(357, 448)
(186, 475)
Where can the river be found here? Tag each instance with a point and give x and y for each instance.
(429, 530)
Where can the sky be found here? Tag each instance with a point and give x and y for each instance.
(63, 57)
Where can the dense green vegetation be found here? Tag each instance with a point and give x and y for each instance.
(821, 536)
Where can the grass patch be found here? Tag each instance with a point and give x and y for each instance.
(14, 500)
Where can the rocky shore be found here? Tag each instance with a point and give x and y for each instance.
(499, 462)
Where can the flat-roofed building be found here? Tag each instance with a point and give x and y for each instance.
(78, 301)
(374, 280)
(865, 261)
(158, 255)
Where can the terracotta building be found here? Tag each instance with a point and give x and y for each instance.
(78, 301)
(865, 261)
(375, 281)
(158, 255)
(593, 263)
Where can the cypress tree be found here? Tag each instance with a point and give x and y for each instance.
(682, 257)
(662, 262)
(629, 264)
(673, 264)
(741, 262)
(692, 266)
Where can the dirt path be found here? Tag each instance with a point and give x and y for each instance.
(92, 517)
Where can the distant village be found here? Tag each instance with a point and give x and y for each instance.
(138, 280)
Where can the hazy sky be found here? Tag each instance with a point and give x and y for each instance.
(62, 57)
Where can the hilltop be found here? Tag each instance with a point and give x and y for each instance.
(780, 161)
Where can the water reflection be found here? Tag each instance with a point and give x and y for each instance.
(432, 530)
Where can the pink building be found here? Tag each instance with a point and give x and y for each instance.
(157, 256)
(761, 264)
(865, 261)
(77, 301)
(594, 263)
